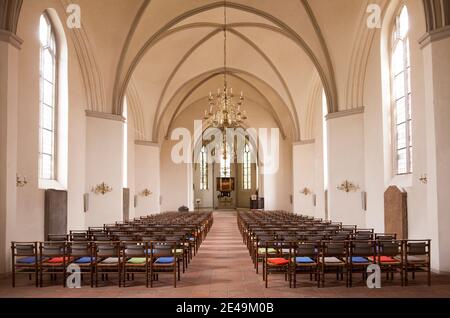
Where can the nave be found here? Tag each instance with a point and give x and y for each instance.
(223, 268)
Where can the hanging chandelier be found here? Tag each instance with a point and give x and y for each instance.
(223, 111)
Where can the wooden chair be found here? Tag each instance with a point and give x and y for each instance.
(135, 260)
(82, 255)
(260, 251)
(163, 259)
(333, 255)
(417, 258)
(107, 259)
(303, 261)
(25, 260)
(277, 262)
(53, 260)
(390, 258)
(358, 258)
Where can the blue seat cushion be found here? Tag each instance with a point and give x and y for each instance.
(27, 260)
(84, 260)
(359, 259)
(165, 260)
(304, 260)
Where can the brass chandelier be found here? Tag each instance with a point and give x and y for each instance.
(223, 111)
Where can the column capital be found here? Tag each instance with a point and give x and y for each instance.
(11, 38)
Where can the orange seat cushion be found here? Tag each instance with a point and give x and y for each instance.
(277, 261)
(385, 259)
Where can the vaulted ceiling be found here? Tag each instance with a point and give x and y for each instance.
(167, 55)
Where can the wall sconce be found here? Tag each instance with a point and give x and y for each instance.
(102, 188)
(364, 200)
(146, 193)
(348, 186)
(135, 201)
(86, 202)
(306, 191)
(424, 178)
(21, 183)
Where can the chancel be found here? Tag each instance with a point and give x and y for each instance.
(235, 148)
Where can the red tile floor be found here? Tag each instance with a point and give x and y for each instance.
(222, 269)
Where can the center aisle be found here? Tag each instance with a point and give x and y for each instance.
(222, 267)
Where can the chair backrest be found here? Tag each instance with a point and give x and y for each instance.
(308, 249)
(417, 248)
(107, 249)
(332, 248)
(315, 238)
(338, 237)
(53, 249)
(362, 248)
(57, 238)
(135, 249)
(385, 237)
(24, 248)
(390, 248)
(80, 249)
(163, 249)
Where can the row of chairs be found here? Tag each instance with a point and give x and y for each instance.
(93, 258)
(346, 258)
(333, 246)
(106, 251)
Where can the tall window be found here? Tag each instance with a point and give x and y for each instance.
(401, 81)
(225, 163)
(203, 169)
(247, 168)
(48, 100)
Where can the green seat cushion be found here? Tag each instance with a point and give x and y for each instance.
(137, 260)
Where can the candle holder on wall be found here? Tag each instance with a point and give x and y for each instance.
(146, 193)
(424, 178)
(102, 188)
(306, 191)
(348, 186)
(20, 183)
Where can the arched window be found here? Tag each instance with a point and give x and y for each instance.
(48, 100)
(401, 89)
(225, 162)
(247, 168)
(203, 169)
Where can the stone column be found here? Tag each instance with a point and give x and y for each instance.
(303, 154)
(10, 46)
(147, 174)
(346, 163)
(104, 164)
(436, 50)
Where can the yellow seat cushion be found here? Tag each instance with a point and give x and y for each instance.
(262, 250)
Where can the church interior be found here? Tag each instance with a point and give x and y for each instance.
(197, 148)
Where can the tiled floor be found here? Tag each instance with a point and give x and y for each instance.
(223, 268)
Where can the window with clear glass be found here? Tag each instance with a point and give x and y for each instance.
(247, 168)
(225, 162)
(203, 169)
(48, 100)
(401, 82)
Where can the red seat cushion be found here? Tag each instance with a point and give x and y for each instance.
(277, 261)
(59, 260)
